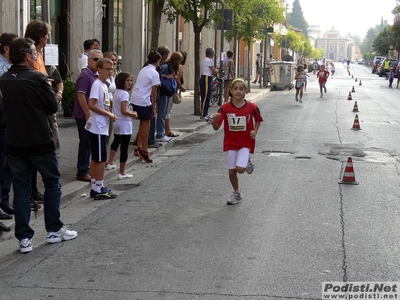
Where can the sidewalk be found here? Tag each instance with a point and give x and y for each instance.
(182, 121)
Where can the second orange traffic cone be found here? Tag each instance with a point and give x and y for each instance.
(360, 82)
(356, 124)
(348, 176)
(353, 90)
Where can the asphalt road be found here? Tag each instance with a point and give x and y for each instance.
(173, 237)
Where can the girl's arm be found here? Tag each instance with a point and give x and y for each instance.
(253, 133)
(126, 112)
(215, 122)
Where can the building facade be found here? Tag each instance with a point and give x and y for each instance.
(336, 46)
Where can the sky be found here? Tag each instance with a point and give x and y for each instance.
(346, 16)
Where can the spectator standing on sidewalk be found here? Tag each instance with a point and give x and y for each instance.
(111, 86)
(258, 68)
(83, 58)
(39, 31)
(229, 74)
(207, 72)
(181, 88)
(143, 98)
(240, 130)
(6, 210)
(123, 124)
(174, 63)
(33, 147)
(81, 113)
(99, 105)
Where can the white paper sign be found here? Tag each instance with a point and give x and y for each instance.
(51, 55)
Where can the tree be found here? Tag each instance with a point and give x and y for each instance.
(384, 41)
(251, 18)
(296, 18)
(201, 13)
(159, 6)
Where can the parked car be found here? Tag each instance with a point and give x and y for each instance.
(393, 64)
(376, 63)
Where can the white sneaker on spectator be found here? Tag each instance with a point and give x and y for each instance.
(110, 167)
(25, 245)
(62, 235)
(164, 139)
(124, 176)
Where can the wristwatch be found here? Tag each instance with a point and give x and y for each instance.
(61, 92)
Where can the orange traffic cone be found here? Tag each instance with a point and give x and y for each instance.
(348, 175)
(349, 96)
(356, 124)
(355, 107)
(353, 90)
(356, 79)
(360, 82)
(352, 76)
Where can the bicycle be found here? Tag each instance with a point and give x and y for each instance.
(217, 84)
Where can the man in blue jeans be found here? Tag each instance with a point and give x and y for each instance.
(28, 100)
(81, 113)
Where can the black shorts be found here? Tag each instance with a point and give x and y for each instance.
(98, 147)
(143, 112)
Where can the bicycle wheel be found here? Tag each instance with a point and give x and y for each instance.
(215, 94)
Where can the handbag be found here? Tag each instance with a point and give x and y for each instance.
(177, 98)
(169, 86)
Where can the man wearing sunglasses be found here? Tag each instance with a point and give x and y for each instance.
(81, 113)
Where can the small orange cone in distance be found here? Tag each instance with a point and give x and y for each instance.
(356, 124)
(353, 90)
(349, 96)
(356, 79)
(360, 82)
(352, 76)
(348, 175)
(355, 107)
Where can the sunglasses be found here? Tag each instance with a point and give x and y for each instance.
(95, 59)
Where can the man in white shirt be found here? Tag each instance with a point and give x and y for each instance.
(207, 72)
(83, 58)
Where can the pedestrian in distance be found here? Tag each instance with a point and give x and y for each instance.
(305, 76)
(123, 124)
(97, 125)
(322, 76)
(391, 77)
(143, 98)
(299, 85)
(333, 70)
(241, 119)
(229, 74)
(33, 147)
(258, 68)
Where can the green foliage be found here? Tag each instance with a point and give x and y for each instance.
(68, 97)
(252, 16)
(384, 41)
(296, 18)
(200, 12)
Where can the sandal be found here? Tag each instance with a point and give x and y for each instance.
(172, 134)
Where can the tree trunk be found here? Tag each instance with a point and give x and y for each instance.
(156, 24)
(248, 68)
(196, 99)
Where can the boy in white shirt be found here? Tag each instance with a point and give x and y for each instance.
(97, 125)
